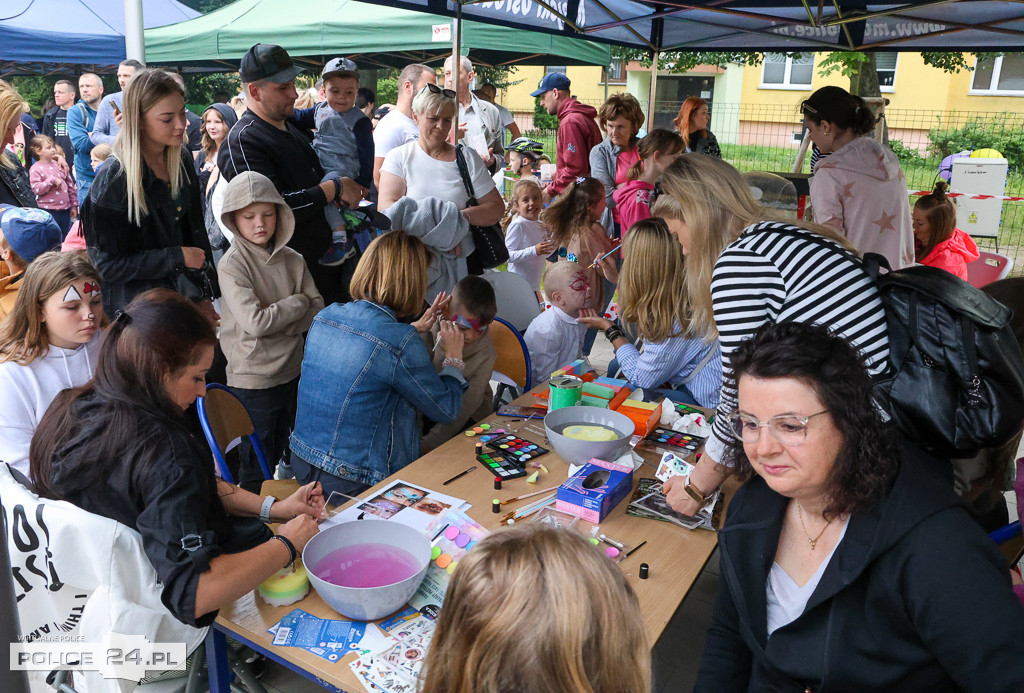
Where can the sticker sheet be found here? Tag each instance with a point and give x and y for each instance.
(395, 668)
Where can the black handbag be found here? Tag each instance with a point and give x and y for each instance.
(196, 284)
(489, 240)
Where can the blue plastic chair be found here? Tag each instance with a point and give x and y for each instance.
(513, 369)
(1010, 542)
(224, 418)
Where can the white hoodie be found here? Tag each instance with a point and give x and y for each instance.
(27, 391)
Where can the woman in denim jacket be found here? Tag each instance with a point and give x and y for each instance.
(365, 375)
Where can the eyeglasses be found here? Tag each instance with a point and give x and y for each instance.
(434, 89)
(788, 429)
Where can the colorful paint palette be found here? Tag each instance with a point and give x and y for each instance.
(674, 439)
(500, 466)
(515, 448)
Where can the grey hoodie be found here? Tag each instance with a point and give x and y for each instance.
(268, 296)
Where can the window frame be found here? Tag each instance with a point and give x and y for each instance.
(993, 88)
(890, 88)
(786, 84)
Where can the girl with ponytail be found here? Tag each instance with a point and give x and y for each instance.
(633, 200)
(937, 240)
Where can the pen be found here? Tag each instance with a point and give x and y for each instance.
(594, 263)
(459, 475)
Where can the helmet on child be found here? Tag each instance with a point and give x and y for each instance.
(524, 145)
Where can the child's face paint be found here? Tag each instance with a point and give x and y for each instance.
(577, 294)
(257, 222)
(72, 316)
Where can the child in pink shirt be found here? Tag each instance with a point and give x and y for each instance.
(656, 151)
(53, 185)
(938, 242)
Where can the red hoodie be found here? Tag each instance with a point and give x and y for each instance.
(633, 200)
(953, 254)
(577, 135)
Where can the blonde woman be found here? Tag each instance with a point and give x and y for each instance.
(652, 297)
(535, 608)
(48, 343)
(144, 222)
(15, 188)
(367, 376)
(742, 272)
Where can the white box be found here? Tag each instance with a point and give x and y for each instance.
(979, 218)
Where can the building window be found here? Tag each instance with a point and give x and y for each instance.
(1002, 75)
(555, 68)
(614, 71)
(781, 71)
(885, 67)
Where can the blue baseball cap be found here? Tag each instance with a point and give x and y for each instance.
(552, 80)
(29, 231)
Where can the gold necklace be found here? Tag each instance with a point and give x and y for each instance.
(811, 542)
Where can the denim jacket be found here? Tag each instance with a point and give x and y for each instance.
(364, 378)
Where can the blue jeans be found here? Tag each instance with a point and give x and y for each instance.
(273, 415)
(305, 473)
(679, 393)
(63, 219)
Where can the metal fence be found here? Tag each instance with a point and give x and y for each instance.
(767, 137)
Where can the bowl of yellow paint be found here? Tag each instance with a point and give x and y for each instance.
(579, 434)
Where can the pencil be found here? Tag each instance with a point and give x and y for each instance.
(528, 495)
(459, 475)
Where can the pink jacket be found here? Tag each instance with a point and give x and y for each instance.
(953, 254)
(860, 190)
(633, 200)
(54, 188)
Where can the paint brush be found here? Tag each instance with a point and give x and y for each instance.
(459, 476)
(595, 262)
(528, 495)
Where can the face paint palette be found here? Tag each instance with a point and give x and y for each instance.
(681, 442)
(500, 466)
(516, 448)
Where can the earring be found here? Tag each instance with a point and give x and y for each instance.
(91, 316)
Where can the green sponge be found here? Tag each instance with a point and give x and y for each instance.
(596, 390)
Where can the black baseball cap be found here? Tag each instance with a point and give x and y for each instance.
(268, 62)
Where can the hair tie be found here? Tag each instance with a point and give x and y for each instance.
(123, 317)
(580, 180)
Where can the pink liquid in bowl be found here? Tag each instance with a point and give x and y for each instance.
(366, 565)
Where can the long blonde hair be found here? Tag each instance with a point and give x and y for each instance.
(142, 92)
(522, 185)
(23, 335)
(716, 203)
(11, 108)
(652, 291)
(393, 273)
(535, 608)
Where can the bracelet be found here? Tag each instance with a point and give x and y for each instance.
(292, 553)
(458, 363)
(265, 509)
(694, 492)
(613, 333)
(337, 189)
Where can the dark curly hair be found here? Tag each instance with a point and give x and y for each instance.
(867, 462)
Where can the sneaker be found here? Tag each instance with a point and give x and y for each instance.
(335, 255)
(284, 471)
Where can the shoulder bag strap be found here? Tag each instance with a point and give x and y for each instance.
(700, 366)
(464, 173)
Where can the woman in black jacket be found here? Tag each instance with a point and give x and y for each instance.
(143, 219)
(847, 563)
(14, 184)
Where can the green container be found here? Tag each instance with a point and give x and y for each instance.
(564, 391)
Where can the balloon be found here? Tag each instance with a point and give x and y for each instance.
(946, 166)
(986, 154)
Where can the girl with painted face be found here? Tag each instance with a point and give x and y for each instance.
(48, 343)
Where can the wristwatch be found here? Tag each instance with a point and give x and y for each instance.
(265, 509)
(694, 492)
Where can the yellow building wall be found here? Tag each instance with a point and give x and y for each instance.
(585, 79)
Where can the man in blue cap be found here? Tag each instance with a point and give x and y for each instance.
(577, 131)
(265, 140)
(25, 234)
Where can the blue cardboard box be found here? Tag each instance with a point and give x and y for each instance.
(594, 491)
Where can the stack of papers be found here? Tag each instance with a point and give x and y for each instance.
(649, 502)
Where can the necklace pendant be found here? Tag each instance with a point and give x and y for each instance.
(812, 543)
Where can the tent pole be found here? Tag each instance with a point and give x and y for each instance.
(654, 91)
(456, 68)
(134, 40)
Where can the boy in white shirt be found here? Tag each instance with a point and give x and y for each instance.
(555, 337)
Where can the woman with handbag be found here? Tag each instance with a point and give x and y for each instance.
(143, 218)
(426, 190)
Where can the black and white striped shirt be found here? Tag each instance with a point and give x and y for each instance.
(776, 272)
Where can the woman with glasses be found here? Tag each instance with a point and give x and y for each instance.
(859, 188)
(367, 375)
(422, 191)
(743, 271)
(847, 562)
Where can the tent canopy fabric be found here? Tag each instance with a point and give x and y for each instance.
(760, 25)
(371, 34)
(48, 36)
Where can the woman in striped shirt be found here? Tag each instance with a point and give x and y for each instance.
(651, 295)
(743, 271)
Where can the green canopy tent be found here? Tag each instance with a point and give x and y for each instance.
(373, 35)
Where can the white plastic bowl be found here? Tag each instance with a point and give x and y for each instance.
(366, 603)
(581, 451)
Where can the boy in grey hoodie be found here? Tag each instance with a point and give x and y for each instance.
(268, 303)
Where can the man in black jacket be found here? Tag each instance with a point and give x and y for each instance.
(264, 141)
